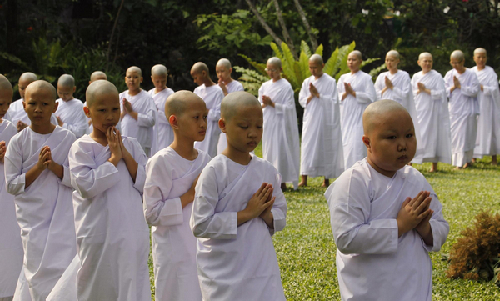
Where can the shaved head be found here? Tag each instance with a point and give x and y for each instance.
(374, 112)
(224, 63)
(480, 50)
(135, 69)
(66, 80)
(179, 102)
(29, 76)
(316, 59)
(393, 53)
(274, 61)
(99, 87)
(358, 54)
(98, 75)
(5, 84)
(233, 101)
(458, 55)
(199, 67)
(159, 69)
(424, 54)
(41, 85)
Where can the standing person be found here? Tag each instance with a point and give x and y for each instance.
(488, 122)
(238, 205)
(138, 111)
(322, 153)
(69, 112)
(37, 174)
(385, 216)
(163, 134)
(212, 95)
(168, 195)
(228, 85)
(96, 75)
(356, 92)
(462, 88)
(280, 137)
(433, 118)
(11, 250)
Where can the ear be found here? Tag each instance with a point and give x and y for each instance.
(366, 142)
(222, 125)
(86, 111)
(323, 65)
(173, 121)
(230, 70)
(141, 80)
(55, 107)
(74, 89)
(90, 82)
(24, 106)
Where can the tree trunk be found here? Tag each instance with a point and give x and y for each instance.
(264, 23)
(284, 30)
(312, 38)
(113, 33)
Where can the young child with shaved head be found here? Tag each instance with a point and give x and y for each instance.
(11, 252)
(488, 121)
(462, 88)
(172, 175)
(163, 134)
(37, 174)
(385, 216)
(108, 175)
(138, 111)
(69, 112)
(97, 75)
(237, 207)
(212, 95)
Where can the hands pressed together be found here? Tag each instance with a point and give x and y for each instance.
(259, 205)
(267, 101)
(416, 214)
(348, 90)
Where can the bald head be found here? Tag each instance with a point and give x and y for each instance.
(66, 80)
(393, 53)
(458, 55)
(274, 61)
(31, 77)
(159, 69)
(316, 59)
(199, 67)
(480, 50)
(424, 54)
(135, 69)
(5, 85)
(98, 75)
(97, 88)
(358, 54)
(233, 101)
(374, 113)
(223, 62)
(40, 86)
(180, 102)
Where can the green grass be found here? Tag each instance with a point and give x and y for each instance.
(306, 250)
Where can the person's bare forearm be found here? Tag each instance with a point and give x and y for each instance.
(32, 175)
(131, 165)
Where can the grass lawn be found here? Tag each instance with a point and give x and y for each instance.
(306, 250)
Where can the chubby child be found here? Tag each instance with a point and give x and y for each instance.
(171, 178)
(37, 174)
(238, 205)
(385, 216)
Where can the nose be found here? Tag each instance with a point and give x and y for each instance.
(402, 145)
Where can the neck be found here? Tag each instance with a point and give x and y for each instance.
(99, 136)
(134, 92)
(208, 82)
(393, 71)
(158, 90)
(68, 99)
(184, 147)
(425, 71)
(384, 172)
(354, 71)
(237, 156)
(276, 79)
(461, 70)
(319, 76)
(479, 68)
(227, 81)
(43, 128)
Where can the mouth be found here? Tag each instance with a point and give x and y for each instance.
(252, 144)
(403, 158)
(202, 132)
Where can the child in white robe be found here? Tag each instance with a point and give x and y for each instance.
(37, 174)
(212, 95)
(163, 134)
(69, 112)
(11, 250)
(385, 216)
(280, 137)
(462, 88)
(228, 85)
(488, 121)
(237, 207)
(138, 111)
(356, 92)
(168, 195)
(322, 152)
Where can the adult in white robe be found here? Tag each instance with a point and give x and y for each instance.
(464, 109)
(372, 262)
(72, 115)
(112, 234)
(280, 136)
(16, 113)
(351, 111)
(322, 148)
(488, 122)
(169, 176)
(235, 261)
(212, 96)
(233, 86)
(163, 134)
(44, 211)
(142, 128)
(11, 248)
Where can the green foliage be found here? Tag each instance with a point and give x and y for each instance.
(251, 79)
(50, 58)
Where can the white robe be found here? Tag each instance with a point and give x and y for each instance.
(233, 86)
(112, 235)
(142, 128)
(163, 134)
(72, 115)
(44, 211)
(11, 248)
(236, 261)
(212, 96)
(372, 262)
(280, 137)
(322, 149)
(488, 122)
(16, 112)
(464, 108)
(169, 176)
(433, 119)
(351, 112)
